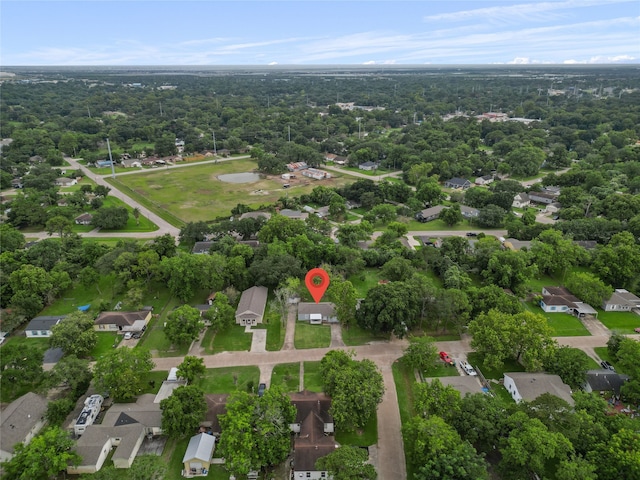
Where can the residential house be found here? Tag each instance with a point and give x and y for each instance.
(122, 321)
(604, 380)
(124, 426)
(316, 174)
(621, 301)
(20, 421)
(294, 214)
(197, 458)
(553, 207)
(201, 248)
(521, 200)
(65, 182)
(251, 307)
(559, 299)
(469, 212)
(40, 327)
(329, 157)
(256, 215)
(83, 219)
(17, 183)
(457, 183)
(103, 163)
(429, 214)
(543, 197)
(323, 212)
(223, 152)
(368, 166)
(529, 386)
(89, 413)
(317, 313)
(313, 429)
(515, 245)
(340, 160)
(297, 166)
(586, 244)
(484, 180)
(131, 163)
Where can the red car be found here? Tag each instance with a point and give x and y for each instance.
(446, 358)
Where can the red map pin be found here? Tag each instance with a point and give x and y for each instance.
(317, 281)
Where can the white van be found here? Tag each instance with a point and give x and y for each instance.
(468, 369)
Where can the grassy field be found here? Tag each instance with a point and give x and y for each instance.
(312, 336)
(78, 295)
(275, 330)
(312, 378)
(229, 379)
(365, 281)
(621, 322)
(405, 381)
(286, 375)
(106, 343)
(154, 338)
(195, 193)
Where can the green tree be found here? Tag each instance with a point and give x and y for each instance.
(110, 218)
(255, 430)
(421, 353)
(121, 371)
(71, 372)
(618, 263)
(588, 288)
(60, 225)
(183, 325)
(491, 216)
(101, 191)
(345, 298)
(58, 410)
(525, 161)
(44, 457)
(11, 239)
(427, 438)
(31, 286)
(434, 398)
(356, 389)
(451, 216)
(509, 269)
(430, 193)
(576, 467)
(529, 446)
(552, 252)
(74, 334)
(462, 462)
(479, 420)
(617, 458)
(347, 463)
(571, 364)
(397, 269)
(191, 368)
(136, 215)
(20, 365)
(183, 411)
(524, 337)
(391, 307)
(221, 314)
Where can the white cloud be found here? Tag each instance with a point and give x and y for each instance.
(516, 13)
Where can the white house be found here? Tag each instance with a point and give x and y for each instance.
(484, 180)
(41, 327)
(529, 386)
(521, 200)
(368, 166)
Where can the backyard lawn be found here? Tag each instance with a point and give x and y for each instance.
(365, 281)
(361, 437)
(106, 343)
(312, 378)
(286, 375)
(312, 336)
(229, 379)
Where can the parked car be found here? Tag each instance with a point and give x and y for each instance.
(472, 234)
(128, 336)
(261, 388)
(468, 369)
(444, 356)
(607, 365)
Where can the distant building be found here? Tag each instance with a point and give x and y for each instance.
(368, 166)
(521, 200)
(457, 183)
(201, 248)
(297, 166)
(83, 219)
(469, 212)
(316, 174)
(41, 327)
(484, 180)
(429, 214)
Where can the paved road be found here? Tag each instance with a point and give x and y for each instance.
(133, 171)
(163, 226)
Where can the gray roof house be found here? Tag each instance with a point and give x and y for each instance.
(621, 300)
(529, 386)
(197, 458)
(265, 215)
(41, 326)
(602, 380)
(469, 212)
(20, 422)
(457, 182)
(316, 313)
(368, 166)
(122, 321)
(294, 214)
(124, 426)
(201, 248)
(83, 219)
(521, 200)
(429, 214)
(251, 307)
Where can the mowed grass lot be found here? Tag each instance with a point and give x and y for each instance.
(286, 375)
(621, 322)
(562, 324)
(229, 379)
(195, 193)
(312, 336)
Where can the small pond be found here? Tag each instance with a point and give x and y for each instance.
(245, 177)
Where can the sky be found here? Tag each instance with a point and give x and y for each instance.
(306, 32)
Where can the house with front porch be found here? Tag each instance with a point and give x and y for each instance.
(252, 305)
(317, 313)
(118, 321)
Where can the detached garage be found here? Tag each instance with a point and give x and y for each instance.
(197, 458)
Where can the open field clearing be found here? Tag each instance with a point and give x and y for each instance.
(195, 193)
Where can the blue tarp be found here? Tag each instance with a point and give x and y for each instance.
(84, 308)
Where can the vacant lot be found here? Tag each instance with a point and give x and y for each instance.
(195, 193)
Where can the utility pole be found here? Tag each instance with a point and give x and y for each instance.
(289, 129)
(113, 168)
